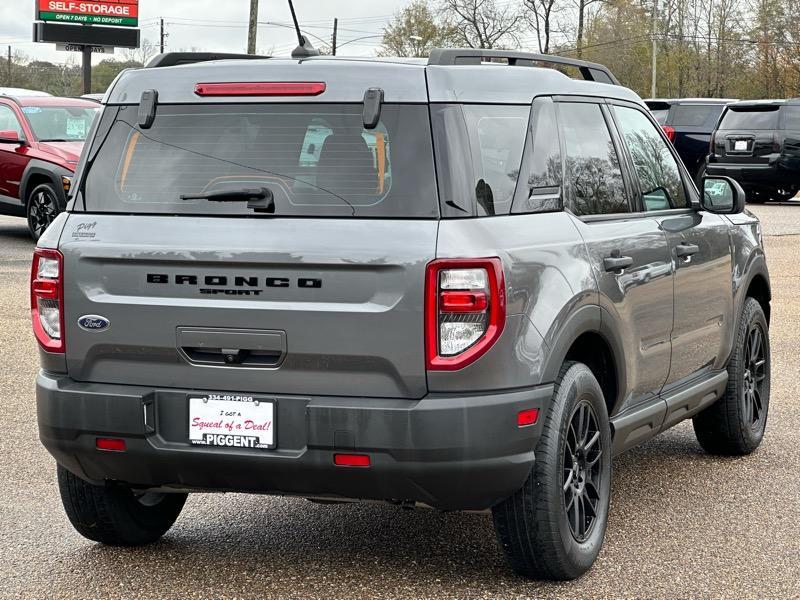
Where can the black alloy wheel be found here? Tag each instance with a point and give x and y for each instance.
(754, 376)
(42, 209)
(582, 471)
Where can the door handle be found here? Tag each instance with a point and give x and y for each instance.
(687, 250)
(617, 263)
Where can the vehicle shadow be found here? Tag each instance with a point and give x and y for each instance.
(246, 546)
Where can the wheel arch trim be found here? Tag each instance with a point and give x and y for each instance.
(50, 171)
(587, 319)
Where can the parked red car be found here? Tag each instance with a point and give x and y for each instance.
(41, 138)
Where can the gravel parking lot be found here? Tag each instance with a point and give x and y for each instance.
(683, 524)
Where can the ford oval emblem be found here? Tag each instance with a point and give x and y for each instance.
(94, 323)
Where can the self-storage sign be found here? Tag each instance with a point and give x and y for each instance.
(121, 13)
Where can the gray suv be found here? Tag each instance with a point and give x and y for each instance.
(464, 283)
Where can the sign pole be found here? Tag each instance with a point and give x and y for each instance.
(87, 70)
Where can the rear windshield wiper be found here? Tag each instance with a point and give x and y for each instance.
(258, 199)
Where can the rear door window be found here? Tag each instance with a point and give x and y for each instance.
(752, 118)
(316, 159)
(593, 166)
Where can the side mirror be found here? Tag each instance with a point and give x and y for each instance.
(10, 136)
(722, 195)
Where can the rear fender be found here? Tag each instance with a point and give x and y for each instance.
(586, 319)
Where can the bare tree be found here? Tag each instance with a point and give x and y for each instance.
(541, 15)
(484, 23)
(142, 54)
(583, 7)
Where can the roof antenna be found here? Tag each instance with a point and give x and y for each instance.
(304, 48)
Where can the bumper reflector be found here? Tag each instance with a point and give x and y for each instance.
(351, 460)
(527, 417)
(110, 444)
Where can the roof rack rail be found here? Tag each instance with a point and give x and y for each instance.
(474, 56)
(170, 59)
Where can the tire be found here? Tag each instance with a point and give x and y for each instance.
(114, 515)
(735, 424)
(41, 209)
(784, 194)
(536, 526)
(757, 196)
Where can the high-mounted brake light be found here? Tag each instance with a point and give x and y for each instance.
(465, 310)
(261, 88)
(47, 299)
(670, 131)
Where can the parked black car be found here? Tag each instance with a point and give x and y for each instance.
(758, 144)
(689, 123)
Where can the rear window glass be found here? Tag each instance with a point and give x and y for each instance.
(751, 118)
(479, 152)
(660, 115)
(692, 115)
(791, 118)
(316, 159)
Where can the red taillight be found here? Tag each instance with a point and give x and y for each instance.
(670, 131)
(465, 310)
(527, 417)
(110, 444)
(261, 88)
(351, 460)
(47, 299)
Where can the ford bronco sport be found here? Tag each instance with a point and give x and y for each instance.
(464, 283)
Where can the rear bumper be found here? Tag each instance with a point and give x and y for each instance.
(770, 175)
(460, 452)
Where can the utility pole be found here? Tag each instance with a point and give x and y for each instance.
(653, 86)
(9, 67)
(252, 31)
(162, 35)
(335, 29)
(87, 69)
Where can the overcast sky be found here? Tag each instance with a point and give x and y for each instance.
(221, 25)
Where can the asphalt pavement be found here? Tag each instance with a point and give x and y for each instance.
(682, 524)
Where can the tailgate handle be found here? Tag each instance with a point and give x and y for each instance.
(232, 347)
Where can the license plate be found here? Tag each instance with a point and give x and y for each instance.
(740, 145)
(231, 421)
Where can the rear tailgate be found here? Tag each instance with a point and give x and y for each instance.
(312, 306)
(316, 288)
(746, 135)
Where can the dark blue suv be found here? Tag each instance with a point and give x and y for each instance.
(689, 123)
